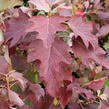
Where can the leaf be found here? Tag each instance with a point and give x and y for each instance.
(44, 4)
(4, 103)
(103, 31)
(52, 52)
(7, 4)
(37, 90)
(19, 77)
(103, 15)
(74, 106)
(27, 102)
(54, 107)
(107, 82)
(96, 84)
(41, 4)
(88, 55)
(106, 46)
(106, 2)
(3, 65)
(76, 88)
(103, 105)
(15, 28)
(64, 10)
(46, 27)
(83, 29)
(14, 98)
(19, 62)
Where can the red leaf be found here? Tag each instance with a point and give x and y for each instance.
(4, 103)
(88, 54)
(103, 31)
(103, 105)
(103, 15)
(52, 52)
(46, 27)
(83, 29)
(75, 87)
(37, 90)
(3, 65)
(15, 28)
(74, 106)
(96, 84)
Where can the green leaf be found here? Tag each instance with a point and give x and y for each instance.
(41, 13)
(107, 82)
(32, 76)
(28, 102)
(16, 88)
(106, 45)
(99, 75)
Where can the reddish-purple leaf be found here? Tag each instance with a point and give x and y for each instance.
(74, 106)
(53, 59)
(103, 31)
(3, 65)
(4, 103)
(103, 105)
(46, 27)
(96, 84)
(52, 52)
(83, 29)
(37, 90)
(19, 62)
(76, 88)
(15, 28)
(103, 14)
(89, 54)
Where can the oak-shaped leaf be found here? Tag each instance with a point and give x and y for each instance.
(83, 29)
(89, 54)
(54, 62)
(15, 28)
(46, 27)
(51, 51)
